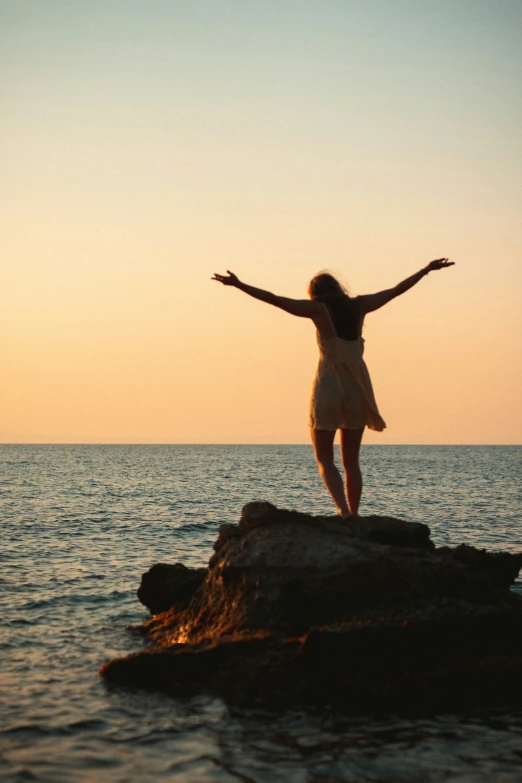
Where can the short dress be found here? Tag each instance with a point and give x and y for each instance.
(342, 393)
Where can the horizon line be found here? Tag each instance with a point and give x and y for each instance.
(186, 443)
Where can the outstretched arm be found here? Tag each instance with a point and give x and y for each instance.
(303, 308)
(372, 302)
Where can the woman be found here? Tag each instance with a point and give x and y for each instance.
(342, 394)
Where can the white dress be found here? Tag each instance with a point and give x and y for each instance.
(342, 393)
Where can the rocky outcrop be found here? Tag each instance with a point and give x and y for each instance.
(366, 614)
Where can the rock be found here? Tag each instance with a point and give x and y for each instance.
(500, 569)
(297, 609)
(383, 530)
(165, 586)
(419, 667)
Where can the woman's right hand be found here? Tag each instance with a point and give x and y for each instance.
(439, 263)
(228, 279)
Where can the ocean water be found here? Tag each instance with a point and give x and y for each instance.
(80, 524)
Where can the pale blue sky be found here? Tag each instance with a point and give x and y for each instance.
(220, 88)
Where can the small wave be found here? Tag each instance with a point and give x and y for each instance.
(87, 725)
(84, 577)
(197, 527)
(75, 599)
(18, 621)
(34, 730)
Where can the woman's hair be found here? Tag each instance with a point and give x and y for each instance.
(324, 287)
(344, 310)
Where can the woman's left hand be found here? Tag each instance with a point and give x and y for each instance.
(228, 279)
(439, 263)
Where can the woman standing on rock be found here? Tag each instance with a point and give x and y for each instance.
(342, 394)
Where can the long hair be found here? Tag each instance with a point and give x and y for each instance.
(344, 310)
(324, 287)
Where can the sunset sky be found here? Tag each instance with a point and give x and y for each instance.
(146, 144)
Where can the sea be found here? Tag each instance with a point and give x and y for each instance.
(79, 525)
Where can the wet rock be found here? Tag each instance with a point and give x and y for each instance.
(297, 609)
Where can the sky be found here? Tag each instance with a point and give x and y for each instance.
(146, 144)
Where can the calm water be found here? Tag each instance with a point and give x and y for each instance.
(79, 525)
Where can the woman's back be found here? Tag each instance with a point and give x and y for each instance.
(345, 313)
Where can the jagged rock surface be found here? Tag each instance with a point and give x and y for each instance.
(367, 614)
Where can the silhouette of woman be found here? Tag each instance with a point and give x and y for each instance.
(342, 395)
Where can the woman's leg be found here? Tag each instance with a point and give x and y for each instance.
(323, 447)
(350, 445)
